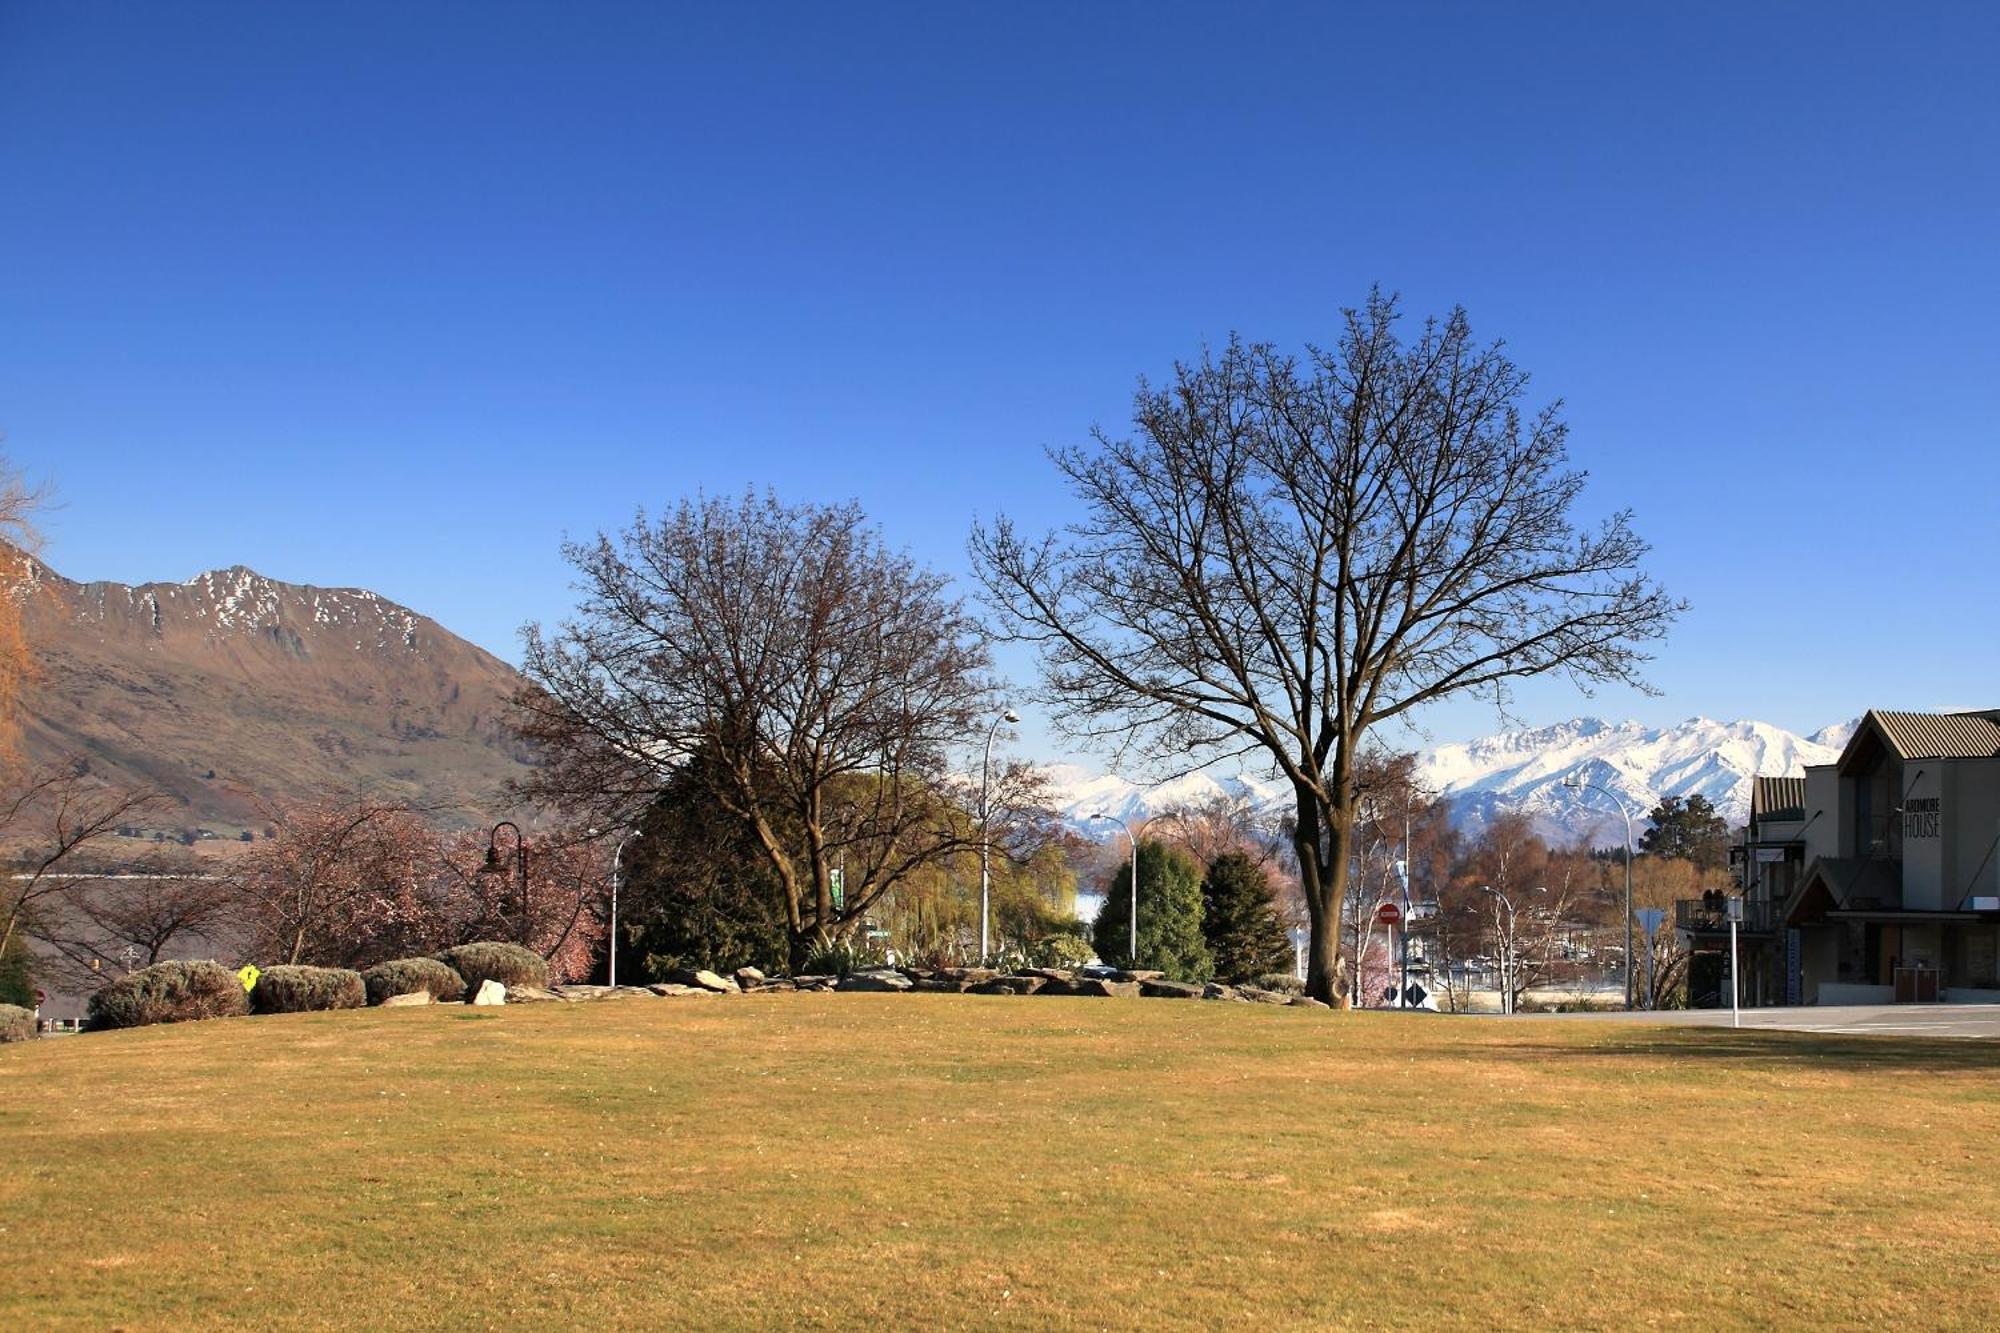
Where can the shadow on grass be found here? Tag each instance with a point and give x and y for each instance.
(1811, 1049)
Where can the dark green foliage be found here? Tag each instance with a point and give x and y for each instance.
(17, 974)
(168, 993)
(1169, 916)
(1239, 920)
(1687, 830)
(1061, 950)
(16, 1023)
(697, 890)
(406, 976)
(299, 990)
(488, 960)
(838, 958)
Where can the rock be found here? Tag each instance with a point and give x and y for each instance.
(749, 978)
(1215, 990)
(971, 976)
(948, 985)
(1262, 996)
(1105, 986)
(879, 980)
(579, 991)
(534, 994)
(1009, 986)
(410, 1001)
(688, 976)
(1131, 974)
(668, 988)
(1308, 1002)
(1057, 984)
(814, 983)
(490, 992)
(1048, 974)
(1159, 988)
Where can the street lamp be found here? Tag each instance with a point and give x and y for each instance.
(1132, 940)
(1575, 783)
(616, 856)
(985, 843)
(495, 866)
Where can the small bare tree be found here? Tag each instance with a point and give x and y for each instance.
(1287, 556)
(816, 682)
(137, 917)
(61, 813)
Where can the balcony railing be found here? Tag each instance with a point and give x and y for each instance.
(1707, 918)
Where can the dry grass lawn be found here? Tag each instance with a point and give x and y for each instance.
(926, 1160)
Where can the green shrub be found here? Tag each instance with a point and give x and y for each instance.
(406, 976)
(838, 958)
(1068, 951)
(488, 960)
(16, 1023)
(1170, 938)
(302, 990)
(168, 993)
(1239, 920)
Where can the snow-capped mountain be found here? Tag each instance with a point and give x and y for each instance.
(1520, 770)
(1528, 770)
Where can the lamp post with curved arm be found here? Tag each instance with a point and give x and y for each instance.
(1132, 940)
(495, 866)
(1575, 783)
(616, 857)
(986, 841)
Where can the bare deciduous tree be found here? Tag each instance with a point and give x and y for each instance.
(60, 813)
(824, 679)
(1285, 556)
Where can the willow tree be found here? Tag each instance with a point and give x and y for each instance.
(1289, 552)
(823, 681)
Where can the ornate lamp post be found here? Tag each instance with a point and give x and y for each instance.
(495, 866)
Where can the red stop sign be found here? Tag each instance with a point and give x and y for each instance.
(1388, 914)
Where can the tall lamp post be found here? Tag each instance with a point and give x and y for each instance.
(985, 842)
(495, 866)
(616, 857)
(1132, 940)
(1575, 783)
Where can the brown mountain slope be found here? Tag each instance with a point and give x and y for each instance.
(233, 689)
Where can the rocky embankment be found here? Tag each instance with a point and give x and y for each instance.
(952, 980)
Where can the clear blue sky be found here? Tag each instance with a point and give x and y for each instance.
(397, 295)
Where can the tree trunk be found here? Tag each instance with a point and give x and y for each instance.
(1323, 877)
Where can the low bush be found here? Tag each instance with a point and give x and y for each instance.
(407, 976)
(508, 964)
(304, 990)
(1286, 983)
(168, 993)
(16, 1023)
(1060, 951)
(839, 958)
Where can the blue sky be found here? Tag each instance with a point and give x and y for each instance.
(396, 295)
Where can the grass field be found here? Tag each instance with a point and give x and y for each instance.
(839, 1160)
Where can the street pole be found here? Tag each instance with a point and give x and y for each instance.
(1735, 990)
(985, 842)
(1131, 940)
(1578, 784)
(616, 858)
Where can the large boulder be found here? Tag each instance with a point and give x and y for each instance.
(702, 977)
(1054, 982)
(1259, 995)
(750, 978)
(1215, 990)
(1136, 974)
(489, 992)
(814, 983)
(1308, 1002)
(669, 988)
(1159, 988)
(408, 1001)
(1106, 986)
(1009, 986)
(538, 995)
(943, 984)
(881, 979)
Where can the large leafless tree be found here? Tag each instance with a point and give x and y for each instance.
(823, 681)
(1289, 552)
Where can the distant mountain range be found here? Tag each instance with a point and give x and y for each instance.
(1521, 770)
(232, 689)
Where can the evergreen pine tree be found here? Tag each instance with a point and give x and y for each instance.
(1239, 920)
(1170, 939)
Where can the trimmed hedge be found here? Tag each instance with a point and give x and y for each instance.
(168, 993)
(407, 976)
(302, 990)
(488, 960)
(16, 1023)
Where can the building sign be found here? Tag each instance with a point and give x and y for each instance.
(1920, 817)
(1794, 985)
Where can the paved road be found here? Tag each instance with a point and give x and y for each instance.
(1979, 1021)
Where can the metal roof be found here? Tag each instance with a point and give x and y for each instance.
(1778, 799)
(1940, 735)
